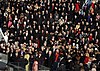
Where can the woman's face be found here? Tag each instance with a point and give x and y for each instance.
(31, 56)
(57, 50)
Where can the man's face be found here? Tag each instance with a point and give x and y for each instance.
(20, 31)
(24, 37)
(42, 48)
(31, 37)
(50, 52)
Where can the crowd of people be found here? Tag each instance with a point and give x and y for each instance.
(63, 35)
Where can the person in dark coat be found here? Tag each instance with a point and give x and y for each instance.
(21, 52)
(50, 59)
(56, 60)
(77, 66)
(62, 63)
(22, 62)
(31, 61)
(40, 59)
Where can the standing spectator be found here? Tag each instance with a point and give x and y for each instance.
(35, 66)
(27, 57)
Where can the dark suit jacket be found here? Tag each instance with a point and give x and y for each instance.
(22, 62)
(49, 61)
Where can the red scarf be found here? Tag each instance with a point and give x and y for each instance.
(86, 60)
(57, 55)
